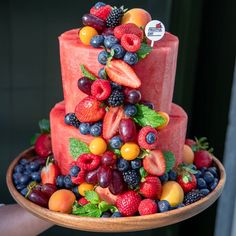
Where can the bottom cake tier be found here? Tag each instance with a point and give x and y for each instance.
(171, 138)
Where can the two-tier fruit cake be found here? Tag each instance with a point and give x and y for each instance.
(117, 144)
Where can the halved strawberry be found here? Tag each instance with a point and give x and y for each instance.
(89, 110)
(111, 121)
(49, 173)
(121, 73)
(43, 146)
(154, 163)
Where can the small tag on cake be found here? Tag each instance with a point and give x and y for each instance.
(154, 31)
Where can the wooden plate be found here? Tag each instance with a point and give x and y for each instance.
(123, 224)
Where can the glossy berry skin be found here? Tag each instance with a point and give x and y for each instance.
(108, 158)
(147, 207)
(133, 96)
(122, 164)
(127, 130)
(130, 110)
(132, 178)
(38, 197)
(102, 57)
(201, 183)
(84, 84)
(204, 191)
(131, 58)
(188, 182)
(86, 34)
(92, 177)
(98, 146)
(24, 179)
(19, 169)
(96, 130)
(136, 164)
(119, 51)
(147, 138)
(74, 171)
(117, 185)
(130, 151)
(131, 42)
(60, 181)
(208, 177)
(36, 176)
(104, 176)
(198, 174)
(84, 128)
(97, 41)
(102, 73)
(101, 89)
(213, 170)
(172, 175)
(48, 189)
(67, 182)
(116, 142)
(213, 184)
(23, 162)
(116, 214)
(110, 41)
(163, 206)
(164, 178)
(43, 146)
(76, 192)
(94, 22)
(16, 177)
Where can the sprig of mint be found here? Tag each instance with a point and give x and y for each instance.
(92, 196)
(170, 160)
(86, 73)
(187, 168)
(143, 51)
(202, 144)
(77, 148)
(146, 116)
(143, 174)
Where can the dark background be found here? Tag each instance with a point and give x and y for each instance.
(30, 82)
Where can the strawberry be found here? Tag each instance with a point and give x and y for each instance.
(147, 138)
(202, 158)
(89, 110)
(88, 161)
(49, 173)
(147, 207)
(187, 181)
(190, 142)
(43, 145)
(121, 73)
(128, 203)
(101, 12)
(154, 163)
(111, 121)
(151, 187)
(101, 89)
(80, 178)
(130, 42)
(129, 28)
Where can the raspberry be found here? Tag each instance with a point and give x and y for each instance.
(101, 89)
(116, 98)
(101, 12)
(80, 178)
(143, 140)
(130, 42)
(129, 28)
(128, 202)
(147, 207)
(132, 178)
(83, 201)
(88, 161)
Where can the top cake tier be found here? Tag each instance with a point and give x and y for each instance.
(156, 71)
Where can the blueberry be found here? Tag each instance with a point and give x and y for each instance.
(204, 191)
(131, 58)
(74, 171)
(96, 130)
(102, 73)
(130, 110)
(116, 142)
(27, 167)
(164, 178)
(99, 4)
(110, 41)
(27, 172)
(76, 192)
(24, 191)
(119, 51)
(67, 182)
(213, 170)
(163, 206)
(84, 128)
(102, 57)
(148, 104)
(208, 177)
(16, 176)
(24, 179)
(34, 166)
(201, 183)
(194, 167)
(19, 168)
(180, 205)
(97, 41)
(99, 123)
(198, 174)
(136, 164)
(213, 184)
(116, 214)
(23, 161)
(203, 170)
(36, 176)
(122, 164)
(19, 187)
(60, 181)
(172, 175)
(106, 215)
(151, 138)
(115, 86)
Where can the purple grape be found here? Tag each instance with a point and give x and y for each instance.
(133, 96)
(104, 176)
(117, 184)
(84, 84)
(93, 21)
(48, 189)
(92, 177)
(127, 130)
(38, 197)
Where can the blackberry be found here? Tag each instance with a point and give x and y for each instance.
(115, 16)
(116, 98)
(71, 119)
(192, 197)
(115, 86)
(132, 178)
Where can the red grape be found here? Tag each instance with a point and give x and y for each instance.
(93, 21)
(104, 176)
(48, 189)
(92, 177)
(38, 197)
(133, 96)
(127, 130)
(84, 84)
(108, 158)
(117, 184)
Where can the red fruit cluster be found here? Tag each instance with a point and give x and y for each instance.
(142, 138)
(88, 161)
(129, 28)
(101, 12)
(80, 178)
(147, 207)
(130, 42)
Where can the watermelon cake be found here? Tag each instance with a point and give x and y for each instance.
(117, 143)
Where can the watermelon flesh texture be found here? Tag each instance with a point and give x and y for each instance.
(172, 137)
(60, 134)
(156, 71)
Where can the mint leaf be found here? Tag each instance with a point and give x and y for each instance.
(33, 138)
(170, 160)
(86, 73)
(143, 51)
(143, 174)
(103, 206)
(87, 210)
(117, 151)
(146, 116)
(77, 148)
(113, 208)
(189, 168)
(92, 196)
(44, 126)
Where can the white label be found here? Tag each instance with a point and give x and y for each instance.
(154, 30)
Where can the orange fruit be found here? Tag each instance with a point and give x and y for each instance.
(188, 155)
(86, 34)
(98, 146)
(129, 151)
(167, 119)
(84, 187)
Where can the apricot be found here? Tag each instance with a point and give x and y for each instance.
(61, 201)
(173, 193)
(188, 155)
(138, 16)
(167, 119)
(84, 187)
